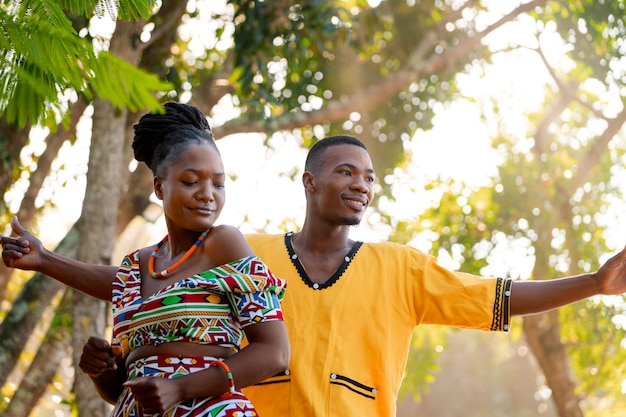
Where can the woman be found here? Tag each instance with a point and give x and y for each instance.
(180, 307)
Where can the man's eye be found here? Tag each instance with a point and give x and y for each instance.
(188, 183)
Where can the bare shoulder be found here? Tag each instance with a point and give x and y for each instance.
(226, 231)
(227, 244)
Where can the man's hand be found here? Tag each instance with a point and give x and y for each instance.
(612, 275)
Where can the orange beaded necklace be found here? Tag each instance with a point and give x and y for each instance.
(178, 263)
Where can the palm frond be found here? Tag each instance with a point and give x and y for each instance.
(117, 9)
(41, 55)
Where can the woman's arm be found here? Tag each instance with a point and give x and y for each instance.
(25, 251)
(530, 297)
(105, 366)
(266, 355)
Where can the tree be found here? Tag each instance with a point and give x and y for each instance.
(113, 76)
(315, 68)
(550, 194)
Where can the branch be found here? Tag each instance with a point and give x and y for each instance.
(169, 15)
(600, 145)
(417, 68)
(54, 141)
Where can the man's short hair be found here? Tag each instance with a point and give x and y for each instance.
(315, 158)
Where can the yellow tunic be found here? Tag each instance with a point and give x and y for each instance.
(350, 340)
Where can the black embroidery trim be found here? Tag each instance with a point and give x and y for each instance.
(279, 378)
(501, 305)
(353, 390)
(304, 276)
(352, 385)
(508, 283)
(273, 382)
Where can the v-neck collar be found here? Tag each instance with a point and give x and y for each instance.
(305, 277)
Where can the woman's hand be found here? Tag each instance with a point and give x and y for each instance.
(23, 251)
(105, 366)
(99, 357)
(154, 394)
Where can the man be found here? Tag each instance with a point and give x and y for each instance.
(350, 308)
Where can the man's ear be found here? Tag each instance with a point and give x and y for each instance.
(157, 188)
(308, 180)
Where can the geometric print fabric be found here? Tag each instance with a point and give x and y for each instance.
(212, 307)
(172, 367)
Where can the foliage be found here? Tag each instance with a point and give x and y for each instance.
(544, 194)
(42, 55)
(598, 31)
(299, 57)
(274, 43)
(426, 344)
(597, 356)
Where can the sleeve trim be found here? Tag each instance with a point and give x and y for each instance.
(502, 306)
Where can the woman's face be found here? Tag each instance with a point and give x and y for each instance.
(193, 191)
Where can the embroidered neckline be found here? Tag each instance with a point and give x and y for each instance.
(305, 277)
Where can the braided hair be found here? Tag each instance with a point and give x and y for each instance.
(315, 158)
(160, 138)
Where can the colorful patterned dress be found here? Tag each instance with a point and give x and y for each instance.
(212, 307)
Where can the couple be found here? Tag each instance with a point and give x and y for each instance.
(349, 307)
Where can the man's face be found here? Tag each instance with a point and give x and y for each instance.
(344, 187)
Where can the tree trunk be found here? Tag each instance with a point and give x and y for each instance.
(41, 372)
(89, 317)
(97, 225)
(542, 333)
(12, 140)
(36, 294)
(27, 309)
(53, 144)
(97, 235)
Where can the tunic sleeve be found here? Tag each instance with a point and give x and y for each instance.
(457, 298)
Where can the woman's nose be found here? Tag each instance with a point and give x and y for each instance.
(205, 193)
